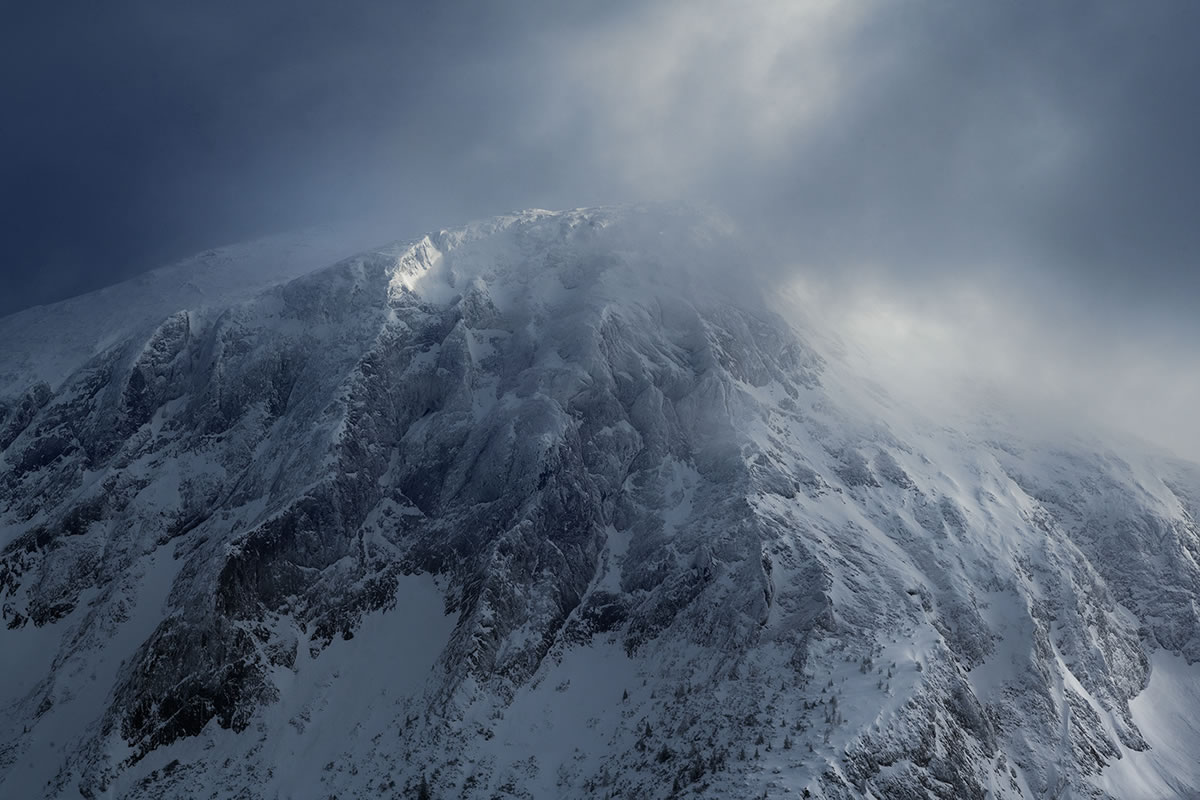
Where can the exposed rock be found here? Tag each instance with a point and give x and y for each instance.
(537, 508)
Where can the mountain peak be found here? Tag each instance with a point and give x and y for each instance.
(547, 508)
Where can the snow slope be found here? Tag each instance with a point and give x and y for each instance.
(556, 505)
(47, 343)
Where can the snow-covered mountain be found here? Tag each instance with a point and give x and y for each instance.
(549, 506)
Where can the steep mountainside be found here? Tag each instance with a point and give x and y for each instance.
(542, 507)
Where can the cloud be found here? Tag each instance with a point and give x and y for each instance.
(997, 195)
(1054, 141)
(964, 351)
(1039, 155)
(669, 97)
(928, 140)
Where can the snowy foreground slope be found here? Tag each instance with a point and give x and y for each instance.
(535, 509)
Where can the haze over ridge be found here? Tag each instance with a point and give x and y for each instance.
(1015, 180)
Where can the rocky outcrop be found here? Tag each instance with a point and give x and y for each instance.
(601, 457)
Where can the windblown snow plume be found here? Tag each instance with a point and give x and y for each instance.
(544, 507)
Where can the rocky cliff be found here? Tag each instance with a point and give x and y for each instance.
(544, 507)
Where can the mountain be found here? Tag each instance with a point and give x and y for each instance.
(560, 505)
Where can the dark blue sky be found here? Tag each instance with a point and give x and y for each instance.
(1050, 147)
(139, 132)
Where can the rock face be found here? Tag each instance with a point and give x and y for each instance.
(543, 508)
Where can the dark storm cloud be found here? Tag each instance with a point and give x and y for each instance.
(1045, 147)
(135, 132)
(1010, 184)
(1003, 191)
(1054, 140)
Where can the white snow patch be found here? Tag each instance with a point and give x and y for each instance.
(1168, 714)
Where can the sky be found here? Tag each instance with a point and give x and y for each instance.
(1014, 184)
